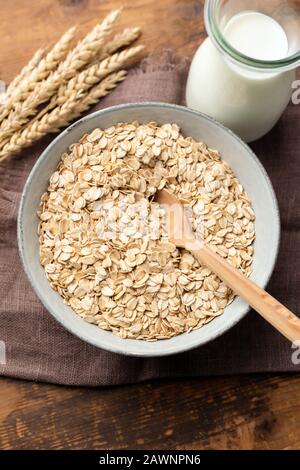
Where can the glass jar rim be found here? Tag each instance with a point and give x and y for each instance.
(236, 56)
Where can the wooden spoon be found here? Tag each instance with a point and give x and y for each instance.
(181, 234)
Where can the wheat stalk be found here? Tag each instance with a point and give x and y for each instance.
(87, 49)
(69, 82)
(15, 83)
(38, 128)
(92, 97)
(90, 77)
(47, 65)
(39, 73)
(82, 54)
(26, 70)
(60, 116)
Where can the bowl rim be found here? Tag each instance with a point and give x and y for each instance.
(189, 345)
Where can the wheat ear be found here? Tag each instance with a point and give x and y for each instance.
(123, 39)
(97, 92)
(90, 77)
(26, 70)
(60, 116)
(48, 64)
(82, 54)
(38, 74)
(15, 83)
(87, 49)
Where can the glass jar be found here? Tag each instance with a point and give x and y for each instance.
(242, 74)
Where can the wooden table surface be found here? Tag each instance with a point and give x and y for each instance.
(247, 412)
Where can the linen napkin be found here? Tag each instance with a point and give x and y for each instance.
(38, 348)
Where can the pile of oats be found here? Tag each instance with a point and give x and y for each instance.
(102, 239)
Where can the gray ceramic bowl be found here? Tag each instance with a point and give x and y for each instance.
(246, 166)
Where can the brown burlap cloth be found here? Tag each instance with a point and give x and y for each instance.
(39, 348)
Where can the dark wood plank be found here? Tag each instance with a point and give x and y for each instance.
(218, 413)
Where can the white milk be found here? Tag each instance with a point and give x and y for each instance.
(248, 102)
(257, 36)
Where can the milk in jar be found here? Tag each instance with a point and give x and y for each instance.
(249, 99)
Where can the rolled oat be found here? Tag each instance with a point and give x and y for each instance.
(102, 240)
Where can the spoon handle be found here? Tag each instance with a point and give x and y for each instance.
(269, 308)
